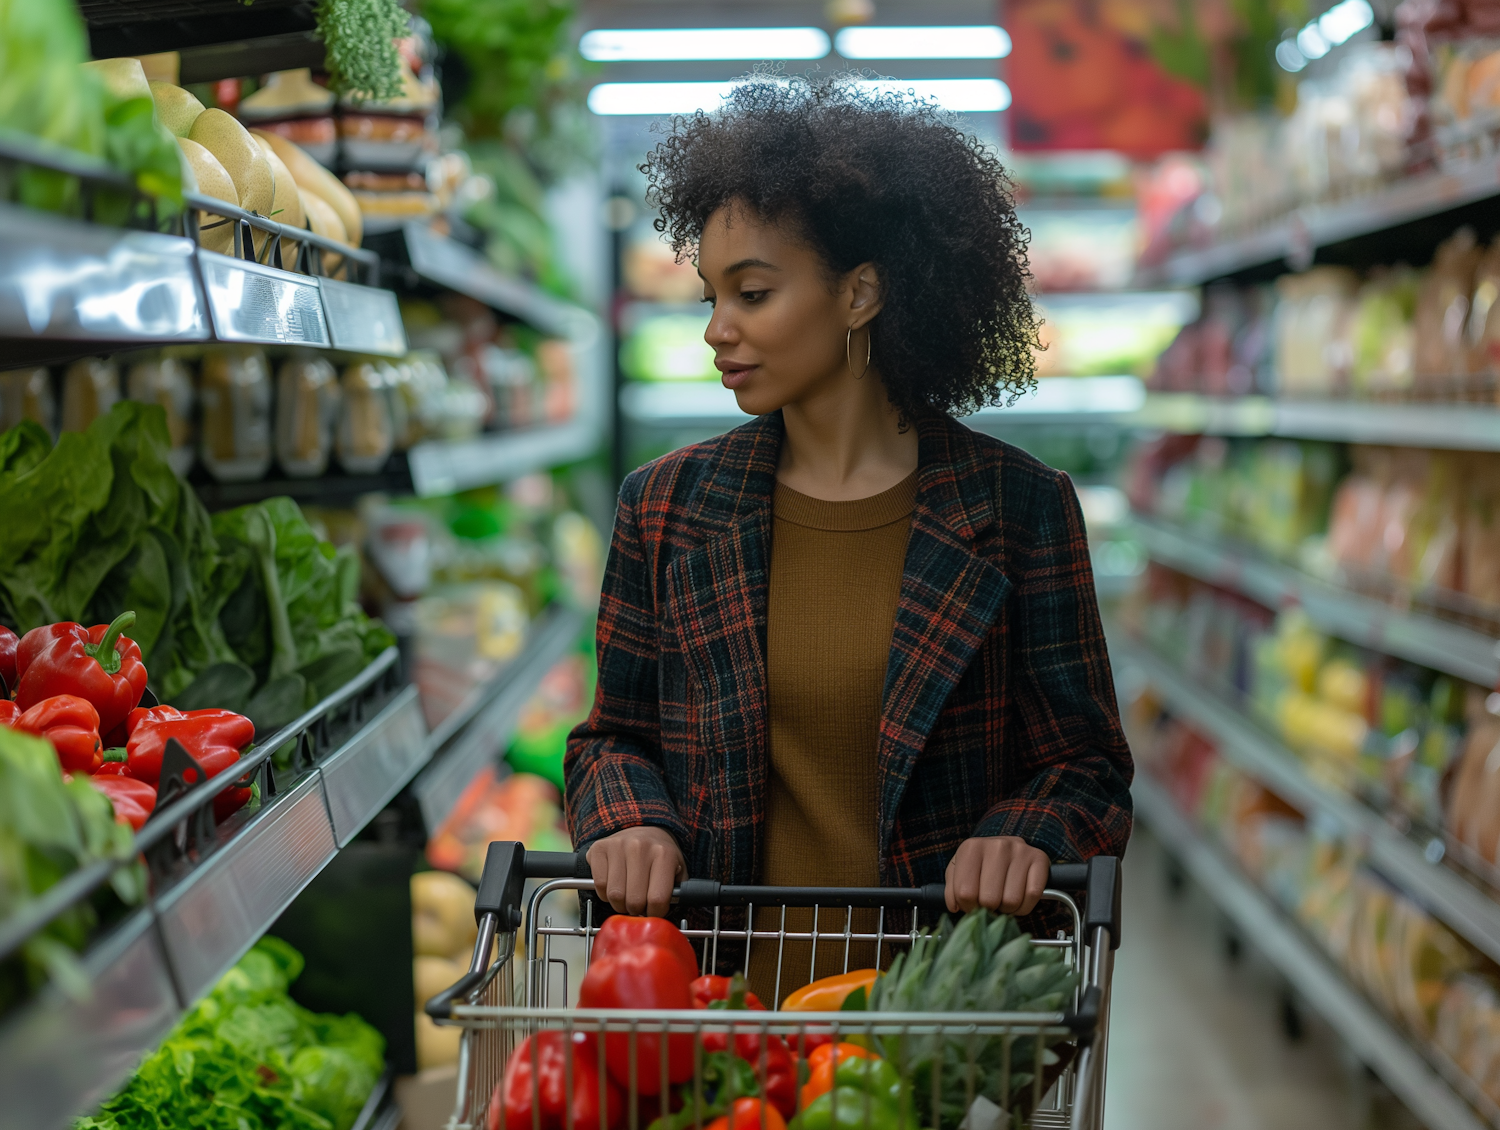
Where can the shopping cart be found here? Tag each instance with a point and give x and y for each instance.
(502, 1000)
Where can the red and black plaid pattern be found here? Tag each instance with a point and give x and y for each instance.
(999, 716)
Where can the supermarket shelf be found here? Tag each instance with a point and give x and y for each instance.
(442, 467)
(1057, 400)
(142, 27)
(1460, 427)
(1297, 237)
(1468, 910)
(70, 288)
(332, 488)
(417, 255)
(62, 1054)
(475, 734)
(1361, 620)
(1281, 941)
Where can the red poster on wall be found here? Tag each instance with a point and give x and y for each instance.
(1082, 77)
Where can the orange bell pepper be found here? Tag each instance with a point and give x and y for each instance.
(821, 1065)
(828, 994)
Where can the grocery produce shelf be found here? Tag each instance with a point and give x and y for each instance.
(443, 466)
(476, 733)
(1362, 620)
(212, 897)
(1272, 932)
(143, 27)
(1458, 427)
(1416, 869)
(1297, 237)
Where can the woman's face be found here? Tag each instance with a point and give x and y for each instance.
(779, 322)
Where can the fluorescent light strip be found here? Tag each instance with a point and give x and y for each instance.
(961, 95)
(985, 41)
(680, 44)
(1318, 37)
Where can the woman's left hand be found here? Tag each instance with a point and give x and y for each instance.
(1002, 873)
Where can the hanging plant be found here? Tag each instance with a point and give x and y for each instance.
(358, 36)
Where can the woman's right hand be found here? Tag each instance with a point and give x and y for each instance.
(636, 869)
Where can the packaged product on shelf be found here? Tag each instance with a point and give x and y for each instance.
(1467, 1030)
(168, 383)
(464, 634)
(1382, 335)
(399, 195)
(307, 410)
(1473, 816)
(1440, 349)
(26, 394)
(393, 135)
(1312, 323)
(235, 394)
(560, 702)
(560, 382)
(366, 433)
(293, 106)
(91, 387)
(398, 390)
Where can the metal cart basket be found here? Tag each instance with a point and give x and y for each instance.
(504, 998)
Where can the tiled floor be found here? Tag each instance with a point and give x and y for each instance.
(1197, 1040)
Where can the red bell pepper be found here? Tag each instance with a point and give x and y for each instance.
(540, 1087)
(778, 1075)
(71, 725)
(621, 932)
(9, 712)
(710, 987)
(212, 737)
(645, 977)
(133, 800)
(8, 642)
(98, 664)
(749, 1114)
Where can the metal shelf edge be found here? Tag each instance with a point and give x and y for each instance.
(1464, 908)
(445, 467)
(1363, 620)
(1369, 1033)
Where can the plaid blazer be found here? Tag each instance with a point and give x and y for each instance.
(999, 714)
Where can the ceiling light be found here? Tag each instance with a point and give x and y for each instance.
(1343, 21)
(1312, 42)
(624, 45)
(961, 95)
(951, 42)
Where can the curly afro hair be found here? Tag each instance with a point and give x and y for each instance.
(868, 174)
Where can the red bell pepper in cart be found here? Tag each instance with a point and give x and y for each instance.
(778, 1076)
(71, 724)
(620, 932)
(98, 664)
(8, 642)
(646, 977)
(133, 800)
(710, 988)
(9, 712)
(213, 738)
(539, 1085)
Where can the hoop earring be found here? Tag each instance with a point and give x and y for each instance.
(849, 360)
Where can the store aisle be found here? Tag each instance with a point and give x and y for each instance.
(1197, 1042)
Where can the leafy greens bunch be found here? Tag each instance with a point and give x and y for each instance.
(50, 828)
(246, 611)
(248, 1057)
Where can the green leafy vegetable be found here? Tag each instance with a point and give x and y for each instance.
(357, 34)
(48, 829)
(248, 1057)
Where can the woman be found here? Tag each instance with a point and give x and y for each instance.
(851, 642)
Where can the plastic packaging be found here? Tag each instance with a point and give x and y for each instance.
(307, 410)
(26, 394)
(90, 389)
(366, 433)
(167, 382)
(235, 391)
